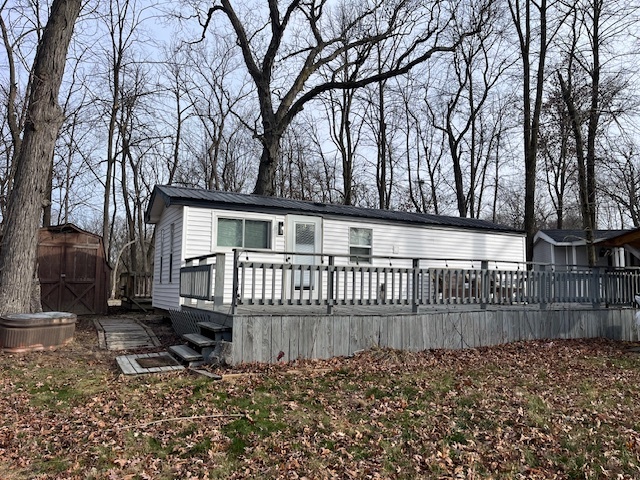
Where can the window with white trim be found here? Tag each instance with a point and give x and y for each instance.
(171, 240)
(360, 244)
(236, 232)
(161, 252)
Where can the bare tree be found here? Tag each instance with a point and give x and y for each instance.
(557, 150)
(528, 18)
(594, 24)
(466, 118)
(21, 28)
(285, 52)
(44, 117)
(123, 21)
(621, 181)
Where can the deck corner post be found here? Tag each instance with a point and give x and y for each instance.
(218, 285)
(330, 285)
(414, 287)
(484, 296)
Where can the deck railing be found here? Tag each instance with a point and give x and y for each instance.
(136, 285)
(337, 280)
(197, 278)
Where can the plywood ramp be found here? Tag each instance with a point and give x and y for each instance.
(124, 334)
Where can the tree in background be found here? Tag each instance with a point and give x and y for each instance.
(285, 51)
(33, 164)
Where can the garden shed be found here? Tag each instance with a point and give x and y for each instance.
(73, 270)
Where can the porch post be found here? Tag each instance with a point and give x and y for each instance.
(218, 286)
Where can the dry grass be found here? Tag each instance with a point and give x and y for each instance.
(562, 409)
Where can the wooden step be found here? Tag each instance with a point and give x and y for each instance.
(186, 354)
(198, 340)
(215, 330)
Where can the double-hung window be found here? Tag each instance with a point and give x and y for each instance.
(236, 232)
(360, 242)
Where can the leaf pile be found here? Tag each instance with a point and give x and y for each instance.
(561, 409)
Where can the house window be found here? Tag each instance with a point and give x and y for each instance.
(161, 252)
(171, 237)
(233, 232)
(360, 244)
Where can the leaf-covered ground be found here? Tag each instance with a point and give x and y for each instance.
(561, 409)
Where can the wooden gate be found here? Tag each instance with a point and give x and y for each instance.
(73, 271)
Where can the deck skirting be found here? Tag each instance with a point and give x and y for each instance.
(269, 338)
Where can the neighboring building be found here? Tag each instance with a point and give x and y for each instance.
(192, 223)
(567, 248)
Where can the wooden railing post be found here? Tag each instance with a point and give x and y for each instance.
(543, 286)
(218, 285)
(234, 287)
(484, 284)
(595, 286)
(330, 286)
(416, 274)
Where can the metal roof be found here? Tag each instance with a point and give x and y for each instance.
(164, 196)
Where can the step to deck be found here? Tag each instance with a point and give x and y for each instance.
(198, 340)
(186, 355)
(215, 331)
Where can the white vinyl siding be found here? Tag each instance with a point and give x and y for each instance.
(199, 232)
(430, 243)
(195, 234)
(166, 294)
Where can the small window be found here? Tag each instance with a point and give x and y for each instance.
(171, 239)
(234, 232)
(360, 245)
(161, 253)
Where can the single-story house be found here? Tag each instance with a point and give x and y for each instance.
(251, 278)
(191, 223)
(568, 248)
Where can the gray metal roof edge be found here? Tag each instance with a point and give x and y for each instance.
(173, 195)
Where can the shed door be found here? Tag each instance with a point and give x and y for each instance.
(304, 237)
(69, 278)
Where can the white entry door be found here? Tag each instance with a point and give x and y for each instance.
(304, 237)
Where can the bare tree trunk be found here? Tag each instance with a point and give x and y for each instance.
(531, 111)
(20, 242)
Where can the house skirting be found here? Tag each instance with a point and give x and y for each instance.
(267, 338)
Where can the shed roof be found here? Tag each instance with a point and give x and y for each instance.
(164, 196)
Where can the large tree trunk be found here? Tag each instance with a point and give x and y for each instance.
(44, 117)
(266, 181)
